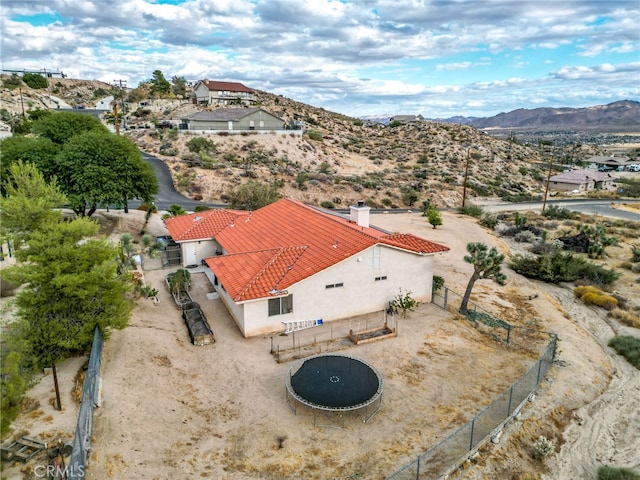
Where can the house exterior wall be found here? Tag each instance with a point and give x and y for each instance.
(259, 120)
(202, 93)
(569, 187)
(360, 293)
(194, 252)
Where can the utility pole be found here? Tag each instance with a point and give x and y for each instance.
(546, 190)
(122, 84)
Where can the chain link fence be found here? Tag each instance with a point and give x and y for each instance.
(81, 445)
(450, 453)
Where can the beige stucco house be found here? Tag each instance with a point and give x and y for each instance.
(581, 180)
(293, 262)
(210, 92)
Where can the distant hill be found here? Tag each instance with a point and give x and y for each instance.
(623, 115)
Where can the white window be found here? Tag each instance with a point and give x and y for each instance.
(376, 252)
(280, 306)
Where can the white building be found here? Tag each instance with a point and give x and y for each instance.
(291, 262)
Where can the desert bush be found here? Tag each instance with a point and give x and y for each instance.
(600, 299)
(315, 135)
(627, 317)
(542, 448)
(438, 283)
(201, 144)
(471, 210)
(555, 267)
(628, 347)
(635, 253)
(635, 268)
(558, 213)
(327, 204)
(35, 80)
(525, 236)
(606, 472)
(489, 221)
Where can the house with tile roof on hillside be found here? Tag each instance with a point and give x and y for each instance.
(581, 180)
(289, 261)
(211, 92)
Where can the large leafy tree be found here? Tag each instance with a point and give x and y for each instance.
(487, 264)
(29, 203)
(103, 169)
(159, 84)
(37, 150)
(59, 127)
(71, 285)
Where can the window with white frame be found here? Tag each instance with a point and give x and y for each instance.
(281, 305)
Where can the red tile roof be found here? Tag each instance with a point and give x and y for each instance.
(283, 243)
(200, 225)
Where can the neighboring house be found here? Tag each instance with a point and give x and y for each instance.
(611, 162)
(209, 92)
(581, 180)
(231, 119)
(290, 262)
(407, 118)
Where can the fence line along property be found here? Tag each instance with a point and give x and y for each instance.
(90, 399)
(446, 456)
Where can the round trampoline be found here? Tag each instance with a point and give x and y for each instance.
(335, 383)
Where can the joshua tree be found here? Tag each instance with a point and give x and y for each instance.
(486, 265)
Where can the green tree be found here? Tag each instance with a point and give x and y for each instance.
(14, 386)
(59, 127)
(29, 204)
(103, 169)
(179, 86)
(159, 85)
(434, 217)
(35, 80)
(71, 284)
(36, 150)
(253, 195)
(486, 265)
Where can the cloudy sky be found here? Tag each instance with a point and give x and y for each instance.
(438, 58)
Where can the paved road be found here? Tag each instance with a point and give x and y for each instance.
(589, 207)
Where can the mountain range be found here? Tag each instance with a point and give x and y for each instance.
(622, 115)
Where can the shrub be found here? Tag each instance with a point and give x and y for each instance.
(628, 318)
(613, 473)
(489, 221)
(315, 135)
(558, 213)
(201, 144)
(558, 267)
(404, 302)
(525, 236)
(35, 80)
(438, 283)
(12, 82)
(635, 252)
(435, 218)
(628, 347)
(327, 204)
(542, 448)
(600, 299)
(471, 210)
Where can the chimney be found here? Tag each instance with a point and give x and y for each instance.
(359, 214)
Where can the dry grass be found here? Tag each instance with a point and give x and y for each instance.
(632, 319)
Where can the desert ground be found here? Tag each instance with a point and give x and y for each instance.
(173, 410)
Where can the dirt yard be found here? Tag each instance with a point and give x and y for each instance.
(172, 410)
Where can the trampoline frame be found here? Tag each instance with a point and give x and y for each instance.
(293, 399)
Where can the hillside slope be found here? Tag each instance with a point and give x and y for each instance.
(344, 162)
